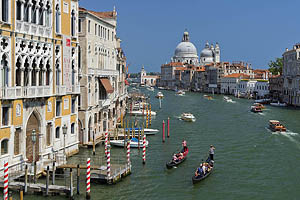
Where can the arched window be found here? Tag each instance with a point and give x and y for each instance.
(57, 132)
(79, 59)
(4, 146)
(73, 128)
(57, 71)
(4, 71)
(26, 73)
(41, 72)
(5, 10)
(73, 72)
(89, 93)
(33, 11)
(19, 10)
(18, 72)
(57, 18)
(33, 73)
(73, 22)
(41, 14)
(48, 14)
(96, 92)
(48, 72)
(26, 11)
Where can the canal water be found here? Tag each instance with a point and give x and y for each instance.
(251, 162)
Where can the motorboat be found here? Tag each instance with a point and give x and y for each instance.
(259, 105)
(263, 101)
(208, 97)
(256, 109)
(141, 113)
(188, 117)
(227, 99)
(147, 131)
(134, 143)
(150, 89)
(278, 104)
(180, 93)
(275, 126)
(159, 95)
(161, 88)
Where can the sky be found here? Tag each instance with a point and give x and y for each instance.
(253, 31)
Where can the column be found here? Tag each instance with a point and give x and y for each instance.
(29, 76)
(37, 76)
(22, 10)
(29, 11)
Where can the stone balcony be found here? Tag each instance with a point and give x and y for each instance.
(75, 89)
(25, 92)
(102, 72)
(61, 90)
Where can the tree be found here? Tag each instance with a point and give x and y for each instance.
(276, 66)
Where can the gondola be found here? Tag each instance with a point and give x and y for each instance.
(173, 163)
(197, 179)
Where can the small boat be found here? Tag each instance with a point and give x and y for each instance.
(259, 105)
(147, 131)
(275, 126)
(256, 109)
(263, 101)
(278, 104)
(134, 143)
(197, 179)
(208, 97)
(140, 112)
(181, 157)
(180, 93)
(161, 88)
(226, 98)
(189, 117)
(159, 95)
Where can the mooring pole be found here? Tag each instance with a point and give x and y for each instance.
(71, 183)
(34, 172)
(21, 194)
(163, 127)
(144, 149)
(47, 182)
(5, 191)
(94, 147)
(78, 178)
(168, 127)
(88, 176)
(26, 179)
(53, 173)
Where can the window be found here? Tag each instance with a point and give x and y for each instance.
(17, 141)
(57, 73)
(33, 12)
(41, 14)
(104, 125)
(95, 29)
(19, 10)
(58, 108)
(48, 134)
(73, 128)
(108, 34)
(57, 132)
(26, 11)
(73, 105)
(79, 25)
(5, 10)
(99, 30)
(4, 146)
(5, 116)
(73, 22)
(89, 26)
(57, 19)
(95, 118)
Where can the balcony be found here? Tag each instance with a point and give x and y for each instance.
(60, 90)
(25, 92)
(76, 89)
(102, 72)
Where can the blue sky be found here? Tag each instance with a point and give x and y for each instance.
(254, 31)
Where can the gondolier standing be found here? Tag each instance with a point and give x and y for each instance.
(211, 152)
(184, 145)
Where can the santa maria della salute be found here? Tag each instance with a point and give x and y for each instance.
(186, 52)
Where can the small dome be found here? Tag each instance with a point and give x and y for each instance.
(206, 52)
(185, 49)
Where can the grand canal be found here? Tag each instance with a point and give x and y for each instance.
(250, 161)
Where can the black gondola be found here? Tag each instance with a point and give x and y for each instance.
(173, 163)
(197, 179)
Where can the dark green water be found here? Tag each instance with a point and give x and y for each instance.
(250, 161)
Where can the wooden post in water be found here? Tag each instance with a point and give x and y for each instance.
(21, 194)
(159, 102)
(150, 115)
(26, 179)
(168, 127)
(47, 182)
(124, 134)
(78, 178)
(94, 146)
(163, 135)
(132, 130)
(147, 117)
(139, 133)
(71, 183)
(53, 173)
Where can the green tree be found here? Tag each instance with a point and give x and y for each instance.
(276, 66)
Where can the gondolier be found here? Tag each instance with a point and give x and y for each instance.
(184, 145)
(211, 152)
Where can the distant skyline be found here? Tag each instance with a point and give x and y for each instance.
(251, 31)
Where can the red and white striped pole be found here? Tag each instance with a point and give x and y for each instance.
(163, 127)
(88, 178)
(106, 141)
(5, 192)
(168, 127)
(128, 152)
(144, 149)
(108, 163)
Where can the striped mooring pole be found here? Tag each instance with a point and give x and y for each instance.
(88, 178)
(150, 115)
(108, 163)
(128, 152)
(147, 117)
(5, 192)
(106, 141)
(144, 149)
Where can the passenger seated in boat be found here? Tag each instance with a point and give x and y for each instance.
(180, 156)
(199, 171)
(175, 158)
(204, 169)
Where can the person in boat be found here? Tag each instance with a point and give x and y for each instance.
(203, 169)
(199, 171)
(211, 152)
(175, 158)
(184, 147)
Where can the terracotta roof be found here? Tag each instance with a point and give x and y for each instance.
(261, 71)
(151, 76)
(180, 68)
(173, 64)
(104, 15)
(237, 75)
(200, 69)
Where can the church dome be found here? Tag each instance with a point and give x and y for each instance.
(185, 49)
(206, 52)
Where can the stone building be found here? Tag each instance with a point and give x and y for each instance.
(149, 80)
(39, 80)
(291, 76)
(102, 68)
(276, 87)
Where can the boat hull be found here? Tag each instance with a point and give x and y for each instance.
(120, 143)
(200, 178)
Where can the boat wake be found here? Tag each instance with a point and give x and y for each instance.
(288, 134)
(262, 114)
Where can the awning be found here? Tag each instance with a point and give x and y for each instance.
(105, 82)
(126, 82)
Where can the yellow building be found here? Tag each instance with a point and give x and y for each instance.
(39, 80)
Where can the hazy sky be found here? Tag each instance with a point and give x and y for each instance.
(254, 31)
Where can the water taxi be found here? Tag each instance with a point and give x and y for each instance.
(275, 125)
(259, 105)
(147, 131)
(208, 97)
(159, 95)
(278, 104)
(256, 109)
(134, 143)
(189, 117)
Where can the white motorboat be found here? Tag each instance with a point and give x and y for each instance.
(159, 95)
(188, 117)
(141, 113)
(161, 88)
(134, 143)
(278, 104)
(262, 101)
(226, 98)
(180, 93)
(147, 131)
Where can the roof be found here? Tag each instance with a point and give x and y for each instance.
(104, 15)
(180, 68)
(237, 75)
(174, 64)
(149, 76)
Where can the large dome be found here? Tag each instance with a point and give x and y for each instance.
(185, 49)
